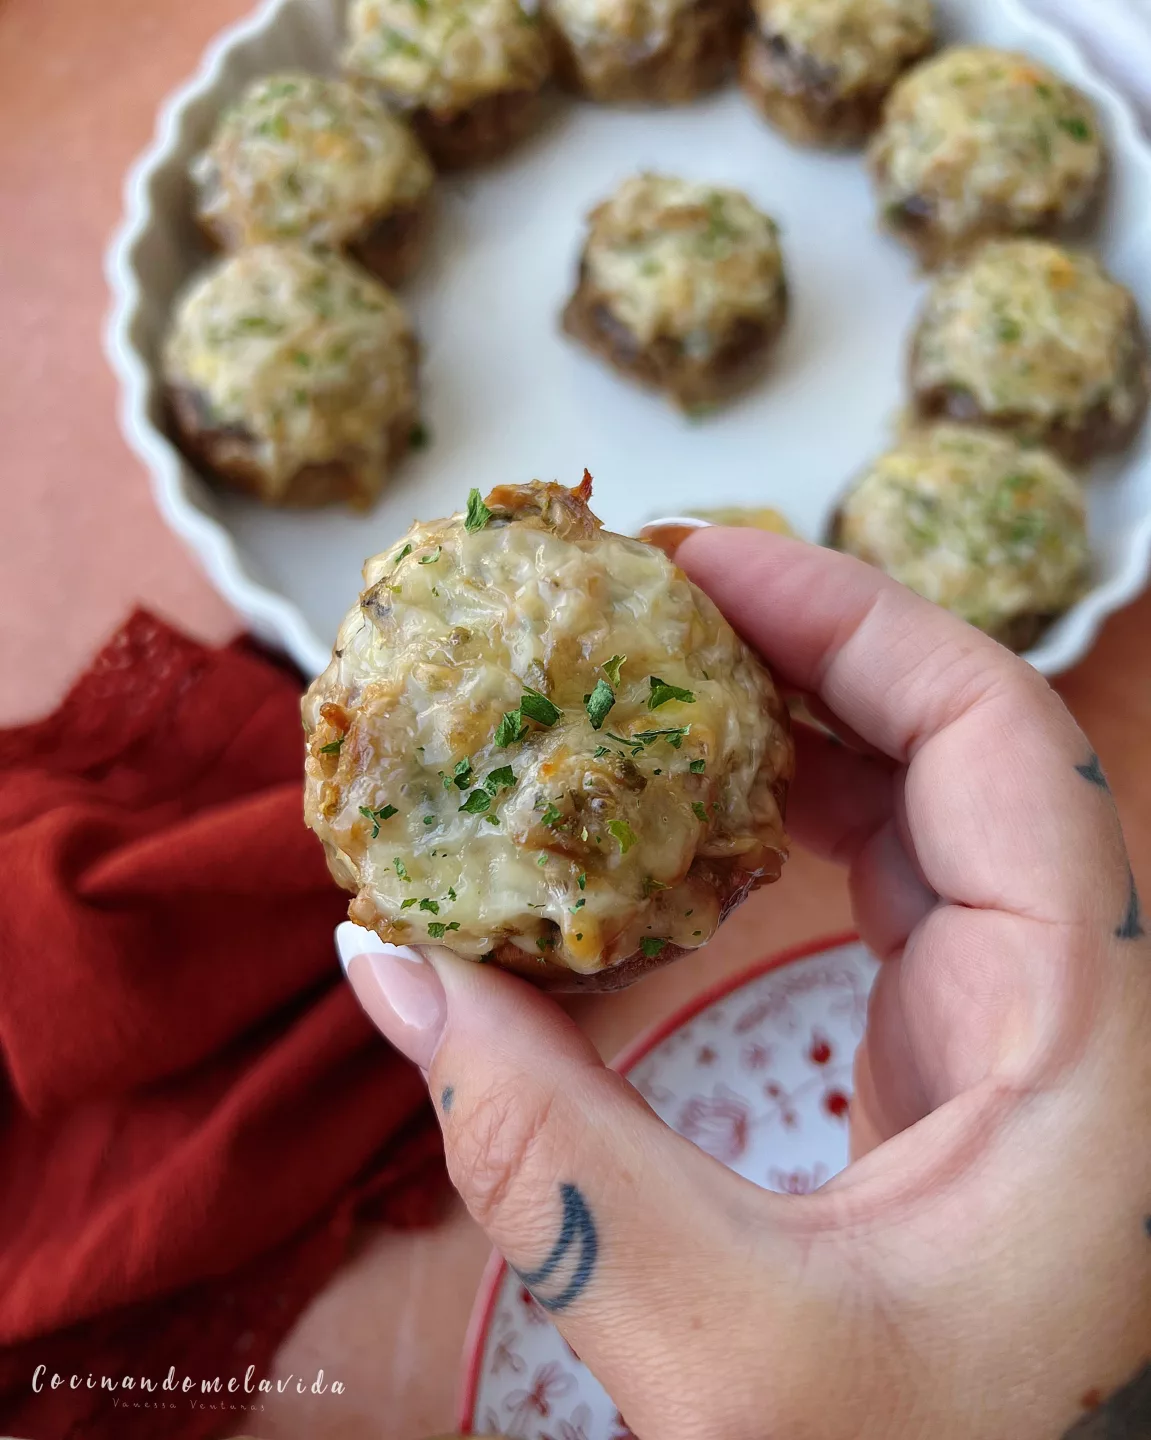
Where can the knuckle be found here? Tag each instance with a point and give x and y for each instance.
(493, 1142)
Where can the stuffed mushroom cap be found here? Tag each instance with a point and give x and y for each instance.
(980, 142)
(1038, 339)
(302, 157)
(292, 374)
(993, 531)
(445, 55)
(538, 743)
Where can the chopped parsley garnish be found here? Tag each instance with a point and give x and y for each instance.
(697, 767)
(700, 812)
(577, 906)
(437, 929)
(451, 893)
(302, 359)
(476, 803)
(1008, 329)
(429, 819)
(333, 746)
(432, 556)
(407, 904)
(542, 861)
(402, 555)
(611, 668)
(1076, 127)
(651, 945)
(461, 776)
(581, 881)
(492, 819)
(433, 906)
(510, 729)
(385, 812)
(662, 692)
(623, 833)
(579, 934)
(599, 702)
(501, 779)
(674, 736)
(538, 707)
(419, 437)
(478, 513)
(401, 869)
(551, 816)
(545, 942)
(651, 885)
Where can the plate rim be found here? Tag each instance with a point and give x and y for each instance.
(272, 615)
(624, 1062)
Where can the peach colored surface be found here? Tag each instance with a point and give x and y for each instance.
(80, 542)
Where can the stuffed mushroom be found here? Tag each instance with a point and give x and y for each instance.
(467, 73)
(539, 744)
(647, 51)
(993, 531)
(319, 161)
(291, 375)
(680, 286)
(1038, 340)
(981, 142)
(819, 69)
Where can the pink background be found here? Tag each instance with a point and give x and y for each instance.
(80, 543)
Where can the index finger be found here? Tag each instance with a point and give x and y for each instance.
(1005, 806)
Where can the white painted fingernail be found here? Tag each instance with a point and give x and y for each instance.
(668, 534)
(689, 522)
(355, 940)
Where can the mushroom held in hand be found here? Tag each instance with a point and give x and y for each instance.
(292, 375)
(680, 286)
(538, 743)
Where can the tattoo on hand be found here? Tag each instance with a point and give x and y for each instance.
(1126, 1415)
(447, 1095)
(1092, 772)
(1131, 927)
(573, 1256)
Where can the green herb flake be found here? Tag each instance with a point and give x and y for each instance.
(510, 729)
(407, 904)
(651, 945)
(432, 906)
(476, 803)
(333, 746)
(662, 692)
(545, 942)
(538, 707)
(385, 812)
(696, 934)
(451, 893)
(577, 906)
(429, 819)
(492, 819)
(611, 668)
(433, 556)
(437, 929)
(501, 779)
(697, 767)
(700, 812)
(419, 436)
(478, 513)
(401, 869)
(551, 816)
(542, 861)
(461, 776)
(674, 736)
(402, 555)
(581, 881)
(599, 703)
(623, 833)
(1076, 127)
(1007, 329)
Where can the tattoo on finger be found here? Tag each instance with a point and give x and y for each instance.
(1131, 926)
(1092, 772)
(566, 1273)
(447, 1096)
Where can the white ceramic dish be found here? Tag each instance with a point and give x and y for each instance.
(506, 397)
(756, 1072)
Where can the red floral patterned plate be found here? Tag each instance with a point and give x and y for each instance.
(757, 1072)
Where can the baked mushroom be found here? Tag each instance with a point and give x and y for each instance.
(993, 531)
(467, 73)
(819, 69)
(291, 375)
(981, 142)
(647, 51)
(1037, 340)
(539, 744)
(680, 286)
(303, 158)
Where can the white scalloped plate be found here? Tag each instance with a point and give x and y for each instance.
(507, 398)
(757, 1072)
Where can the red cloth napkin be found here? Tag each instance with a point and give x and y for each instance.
(193, 1111)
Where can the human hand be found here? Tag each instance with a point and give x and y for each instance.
(983, 1268)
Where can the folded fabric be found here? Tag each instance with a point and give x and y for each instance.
(193, 1112)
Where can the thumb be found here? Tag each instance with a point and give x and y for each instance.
(638, 1243)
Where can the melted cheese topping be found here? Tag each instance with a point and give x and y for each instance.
(304, 351)
(982, 134)
(639, 28)
(569, 840)
(446, 54)
(673, 258)
(1031, 330)
(862, 44)
(301, 157)
(973, 521)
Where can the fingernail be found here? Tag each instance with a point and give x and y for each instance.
(669, 532)
(399, 990)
